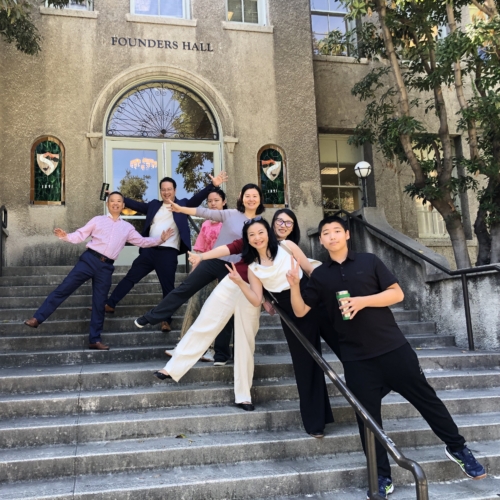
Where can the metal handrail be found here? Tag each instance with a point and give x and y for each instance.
(372, 429)
(3, 231)
(197, 229)
(463, 273)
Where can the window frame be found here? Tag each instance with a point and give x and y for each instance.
(89, 6)
(339, 187)
(261, 14)
(332, 13)
(186, 10)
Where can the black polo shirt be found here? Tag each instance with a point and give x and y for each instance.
(373, 331)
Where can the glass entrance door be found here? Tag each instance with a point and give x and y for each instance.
(135, 168)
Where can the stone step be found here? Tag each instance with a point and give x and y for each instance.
(123, 339)
(107, 457)
(56, 279)
(206, 386)
(239, 480)
(14, 271)
(268, 416)
(111, 324)
(486, 489)
(43, 379)
(271, 340)
(86, 289)
(132, 299)
(76, 307)
(70, 349)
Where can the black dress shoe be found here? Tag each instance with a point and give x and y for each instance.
(246, 406)
(317, 435)
(161, 375)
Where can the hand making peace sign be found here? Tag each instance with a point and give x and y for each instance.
(292, 275)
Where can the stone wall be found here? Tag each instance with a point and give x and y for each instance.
(259, 82)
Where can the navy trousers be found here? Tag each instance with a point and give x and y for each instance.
(88, 267)
(163, 260)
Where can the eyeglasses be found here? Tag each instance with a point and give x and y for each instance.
(286, 223)
(251, 221)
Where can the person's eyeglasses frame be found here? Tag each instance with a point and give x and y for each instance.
(286, 223)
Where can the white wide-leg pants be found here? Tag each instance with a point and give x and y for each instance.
(226, 299)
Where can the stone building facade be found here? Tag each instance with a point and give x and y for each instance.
(223, 81)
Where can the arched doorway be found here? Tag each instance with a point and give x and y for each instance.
(158, 129)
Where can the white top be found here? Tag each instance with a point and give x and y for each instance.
(273, 278)
(163, 220)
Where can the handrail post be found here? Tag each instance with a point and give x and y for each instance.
(3, 229)
(371, 462)
(468, 319)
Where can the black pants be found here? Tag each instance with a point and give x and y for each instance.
(205, 273)
(315, 407)
(163, 260)
(400, 371)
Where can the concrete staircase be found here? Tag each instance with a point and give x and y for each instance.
(80, 424)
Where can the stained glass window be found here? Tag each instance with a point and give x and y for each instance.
(162, 110)
(272, 176)
(47, 172)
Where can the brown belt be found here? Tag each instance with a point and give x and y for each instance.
(100, 256)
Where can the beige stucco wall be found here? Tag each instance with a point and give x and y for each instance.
(259, 84)
(338, 111)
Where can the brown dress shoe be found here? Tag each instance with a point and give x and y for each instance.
(33, 322)
(99, 346)
(107, 309)
(165, 327)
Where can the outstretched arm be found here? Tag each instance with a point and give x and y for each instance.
(79, 235)
(253, 292)
(199, 197)
(182, 210)
(300, 257)
(299, 307)
(140, 241)
(215, 253)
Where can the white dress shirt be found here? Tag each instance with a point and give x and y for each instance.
(163, 220)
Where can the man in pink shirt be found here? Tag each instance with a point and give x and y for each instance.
(109, 234)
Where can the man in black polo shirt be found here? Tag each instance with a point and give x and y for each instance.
(376, 356)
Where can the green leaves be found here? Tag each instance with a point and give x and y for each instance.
(16, 24)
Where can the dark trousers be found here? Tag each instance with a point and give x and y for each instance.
(205, 273)
(315, 407)
(399, 371)
(163, 260)
(88, 267)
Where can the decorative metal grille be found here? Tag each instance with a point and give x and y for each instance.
(162, 110)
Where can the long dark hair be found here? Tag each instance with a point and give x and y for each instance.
(294, 236)
(249, 254)
(221, 194)
(239, 203)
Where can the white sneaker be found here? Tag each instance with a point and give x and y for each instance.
(221, 363)
(208, 356)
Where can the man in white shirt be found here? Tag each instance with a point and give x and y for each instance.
(163, 258)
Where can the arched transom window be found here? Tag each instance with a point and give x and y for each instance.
(161, 110)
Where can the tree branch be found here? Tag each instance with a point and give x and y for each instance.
(404, 102)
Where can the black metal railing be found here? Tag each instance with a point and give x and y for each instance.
(3, 234)
(463, 273)
(372, 429)
(197, 231)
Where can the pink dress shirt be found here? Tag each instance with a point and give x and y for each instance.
(209, 233)
(109, 236)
